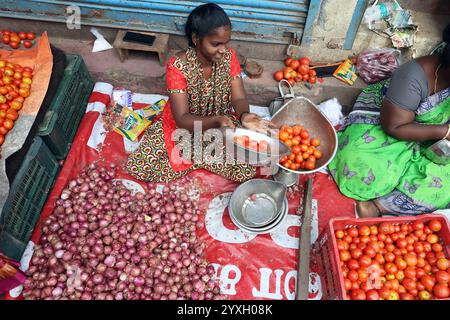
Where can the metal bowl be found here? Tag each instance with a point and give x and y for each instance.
(300, 110)
(263, 229)
(277, 149)
(289, 178)
(261, 211)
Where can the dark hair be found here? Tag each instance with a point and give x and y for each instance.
(446, 52)
(204, 19)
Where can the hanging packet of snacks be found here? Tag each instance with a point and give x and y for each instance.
(128, 123)
(346, 72)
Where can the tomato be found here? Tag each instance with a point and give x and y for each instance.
(428, 282)
(424, 295)
(356, 253)
(393, 295)
(22, 35)
(31, 36)
(14, 45)
(390, 268)
(384, 293)
(389, 257)
(287, 61)
(370, 251)
(406, 296)
(353, 264)
(342, 245)
(347, 239)
(401, 243)
(283, 136)
(2, 139)
(372, 295)
(16, 105)
(358, 295)
(364, 231)
(435, 225)
(441, 291)
(294, 64)
(6, 39)
(310, 165)
(411, 259)
(385, 228)
(27, 44)
(443, 264)
(410, 272)
(347, 284)
(432, 238)
(305, 77)
(344, 255)
(436, 247)
(364, 261)
(312, 79)
(339, 234)
(427, 230)
(304, 134)
(400, 275)
(442, 277)
(305, 61)
(379, 258)
(353, 275)
(27, 80)
(278, 75)
(418, 225)
(8, 124)
(3, 130)
(401, 263)
(303, 69)
(12, 114)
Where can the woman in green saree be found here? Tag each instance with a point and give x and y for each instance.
(380, 160)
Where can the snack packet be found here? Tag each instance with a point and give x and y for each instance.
(129, 124)
(346, 72)
(151, 111)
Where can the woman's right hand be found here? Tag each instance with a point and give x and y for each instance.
(224, 121)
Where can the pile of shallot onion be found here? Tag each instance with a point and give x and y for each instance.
(103, 243)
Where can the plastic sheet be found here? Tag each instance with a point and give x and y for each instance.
(248, 266)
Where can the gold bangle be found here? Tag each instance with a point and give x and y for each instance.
(447, 134)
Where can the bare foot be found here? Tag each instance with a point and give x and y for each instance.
(367, 209)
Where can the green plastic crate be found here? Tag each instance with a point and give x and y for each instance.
(27, 195)
(63, 117)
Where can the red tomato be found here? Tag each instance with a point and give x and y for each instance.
(372, 295)
(389, 257)
(342, 245)
(363, 230)
(406, 296)
(31, 36)
(2, 139)
(14, 45)
(441, 291)
(347, 239)
(442, 277)
(347, 284)
(364, 261)
(401, 263)
(385, 228)
(278, 75)
(410, 272)
(353, 264)
(370, 251)
(411, 259)
(294, 64)
(390, 268)
(22, 35)
(418, 225)
(6, 39)
(379, 258)
(303, 69)
(312, 79)
(305, 61)
(287, 61)
(401, 243)
(356, 253)
(339, 234)
(358, 295)
(305, 135)
(353, 275)
(435, 225)
(384, 293)
(309, 165)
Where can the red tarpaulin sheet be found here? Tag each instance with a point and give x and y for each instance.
(248, 266)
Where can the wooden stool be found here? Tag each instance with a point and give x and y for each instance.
(160, 45)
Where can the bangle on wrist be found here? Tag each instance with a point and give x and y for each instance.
(242, 114)
(447, 134)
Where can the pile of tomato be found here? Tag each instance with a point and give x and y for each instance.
(246, 142)
(15, 86)
(304, 149)
(296, 71)
(394, 262)
(14, 39)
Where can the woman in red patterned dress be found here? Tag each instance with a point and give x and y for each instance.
(204, 85)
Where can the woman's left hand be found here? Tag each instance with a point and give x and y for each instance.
(254, 122)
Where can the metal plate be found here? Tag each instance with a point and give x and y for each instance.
(277, 149)
(267, 228)
(261, 211)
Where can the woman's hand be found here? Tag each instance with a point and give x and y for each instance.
(224, 121)
(254, 122)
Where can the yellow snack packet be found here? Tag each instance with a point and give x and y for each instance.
(151, 111)
(129, 123)
(346, 72)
